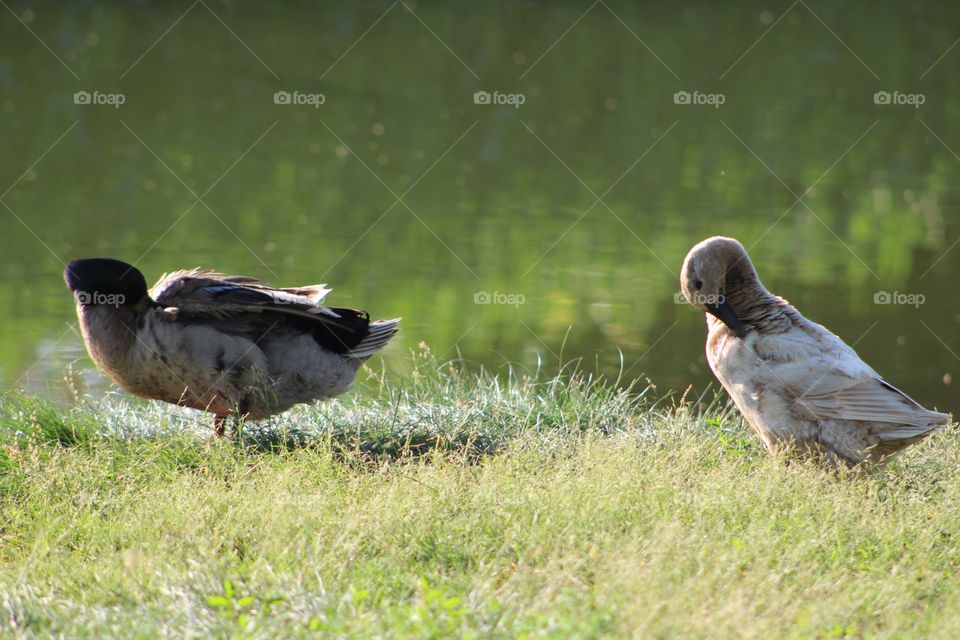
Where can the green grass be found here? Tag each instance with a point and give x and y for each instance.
(454, 505)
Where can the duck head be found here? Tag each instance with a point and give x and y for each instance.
(710, 270)
(105, 281)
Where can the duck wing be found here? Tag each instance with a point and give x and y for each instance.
(871, 400)
(209, 293)
(243, 305)
(828, 381)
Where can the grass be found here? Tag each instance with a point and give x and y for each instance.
(454, 505)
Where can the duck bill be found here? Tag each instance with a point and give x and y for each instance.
(725, 313)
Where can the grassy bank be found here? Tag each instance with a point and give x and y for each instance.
(456, 505)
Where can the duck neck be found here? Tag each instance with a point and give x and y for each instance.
(749, 298)
(110, 333)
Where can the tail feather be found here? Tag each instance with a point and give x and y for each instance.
(380, 333)
(937, 421)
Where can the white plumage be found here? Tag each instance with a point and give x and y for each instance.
(797, 384)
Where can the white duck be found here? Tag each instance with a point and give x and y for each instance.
(796, 383)
(229, 345)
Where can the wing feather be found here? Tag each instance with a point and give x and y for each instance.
(870, 400)
(830, 382)
(201, 292)
(237, 304)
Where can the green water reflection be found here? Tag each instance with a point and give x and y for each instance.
(409, 199)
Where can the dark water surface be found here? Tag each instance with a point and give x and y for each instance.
(571, 203)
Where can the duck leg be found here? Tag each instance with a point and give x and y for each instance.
(221, 410)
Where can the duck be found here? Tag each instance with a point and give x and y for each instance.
(799, 386)
(232, 346)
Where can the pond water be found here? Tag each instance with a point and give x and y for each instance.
(519, 181)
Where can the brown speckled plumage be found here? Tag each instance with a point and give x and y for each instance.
(229, 345)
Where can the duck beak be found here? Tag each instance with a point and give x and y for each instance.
(725, 313)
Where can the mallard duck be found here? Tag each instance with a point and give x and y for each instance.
(229, 345)
(799, 386)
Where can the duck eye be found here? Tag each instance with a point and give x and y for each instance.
(698, 283)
